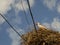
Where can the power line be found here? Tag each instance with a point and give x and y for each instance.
(11, 26)
(25, 12)
(31, 15)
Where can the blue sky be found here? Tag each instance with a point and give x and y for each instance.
(47, 12)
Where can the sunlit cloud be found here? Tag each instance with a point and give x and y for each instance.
(14, 36)
(47, 25)
(20, 5)
(58, 8)
(55, 24)
(52, 4)
(5, 5)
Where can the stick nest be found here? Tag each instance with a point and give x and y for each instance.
(42, 37)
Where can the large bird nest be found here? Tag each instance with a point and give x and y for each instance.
(42, 37)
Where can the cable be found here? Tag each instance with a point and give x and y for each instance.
(25, 13)
(11, 26)
(31, 15)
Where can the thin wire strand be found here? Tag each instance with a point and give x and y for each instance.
(25, 13)
(11, 26)
(32, 16)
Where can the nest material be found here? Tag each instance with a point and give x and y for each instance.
(42, 37)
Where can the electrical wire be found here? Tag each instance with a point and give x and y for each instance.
(32, 16)
(11, 26)
(25, 13)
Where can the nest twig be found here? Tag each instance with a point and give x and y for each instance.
(45, 37)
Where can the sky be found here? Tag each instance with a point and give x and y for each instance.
(46, 12)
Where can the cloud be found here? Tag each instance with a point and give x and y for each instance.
(52, 4)
(14, 37)
(54, 25)
(12, 34)
(5, 5)
(1, 20)
(58, 8)
(47, 25)
(18, 5)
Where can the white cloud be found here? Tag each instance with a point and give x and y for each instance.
(54, 25)
(50, 3)
(47, 25)
(14, 37)
(5, 5)
(12, 34)
(18, 5)
(58, 8)
(1, 20)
